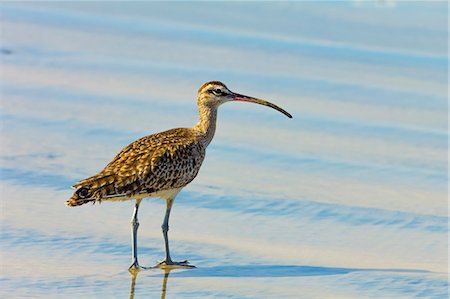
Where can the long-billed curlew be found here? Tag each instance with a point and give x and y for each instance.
(160, 165)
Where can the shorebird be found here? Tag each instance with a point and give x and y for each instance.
(160, 165)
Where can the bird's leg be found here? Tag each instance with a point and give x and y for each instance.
(134, 229)
(165, 228)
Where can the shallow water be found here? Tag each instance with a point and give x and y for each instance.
(346, 200)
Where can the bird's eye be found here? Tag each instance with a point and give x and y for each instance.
(217, 92)
(83, 192)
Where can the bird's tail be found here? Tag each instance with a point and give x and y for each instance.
(91, 189)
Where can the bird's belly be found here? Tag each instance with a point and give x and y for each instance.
(163, 194)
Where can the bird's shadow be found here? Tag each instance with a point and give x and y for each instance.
(255, 271)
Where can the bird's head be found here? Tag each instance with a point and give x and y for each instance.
(214, 93)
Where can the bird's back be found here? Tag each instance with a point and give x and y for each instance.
(158, 162)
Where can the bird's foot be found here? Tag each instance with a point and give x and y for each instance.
(169, 264)
(136, 268)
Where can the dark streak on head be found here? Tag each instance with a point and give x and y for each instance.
(211, 83)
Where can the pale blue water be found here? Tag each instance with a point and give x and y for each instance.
(346, 200)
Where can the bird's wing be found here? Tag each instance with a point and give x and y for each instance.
(162, 161)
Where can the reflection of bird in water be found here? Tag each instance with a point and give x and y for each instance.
(164, 285)
(134, 275)
(160, 165)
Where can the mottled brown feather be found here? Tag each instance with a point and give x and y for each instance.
(162, 161)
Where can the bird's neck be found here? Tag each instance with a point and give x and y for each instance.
(206, 126)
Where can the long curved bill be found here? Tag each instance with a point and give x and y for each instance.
(243, 98)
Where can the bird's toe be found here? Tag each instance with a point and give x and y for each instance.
(172, 265)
